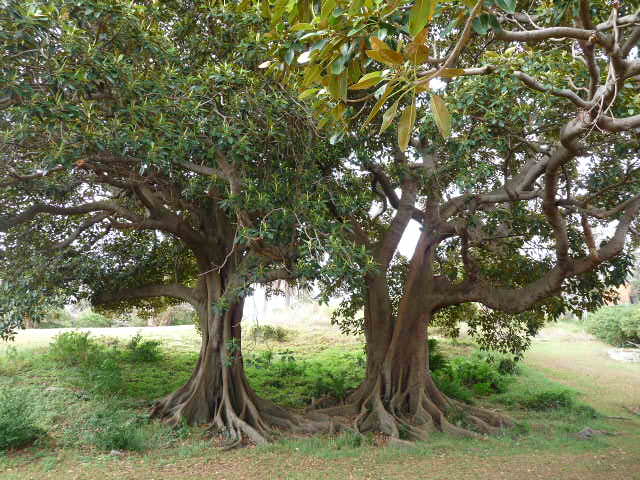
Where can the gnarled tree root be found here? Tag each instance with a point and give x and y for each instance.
(236, 417)
(414, 414)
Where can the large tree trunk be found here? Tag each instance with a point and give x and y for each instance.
(218, 392)
(399, 397)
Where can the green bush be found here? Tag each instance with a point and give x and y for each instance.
(17, 423)
(105, 376)
(100, 369)
(141, 350)
(115, 430)
(451, 386)
(269, 332)
(92, 320)
(508, 366)
(549, 399)
(283, 378)
(74, 348)
(463, 378)
(478, 372)
(617, 325)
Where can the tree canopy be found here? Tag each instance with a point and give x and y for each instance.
(135, 133)
(516, 150)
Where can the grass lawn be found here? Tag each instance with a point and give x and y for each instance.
(87, 411)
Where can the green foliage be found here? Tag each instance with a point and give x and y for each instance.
(110, 429)
(478, 375)
(269, 332)
(437, 360)
(100, 365)
(141, 350)
(93, 320)
(75, 348)
(17, 421)
(617, 325)
(284, 379)
(549, 399)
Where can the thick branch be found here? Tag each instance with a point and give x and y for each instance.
(558, 92)
(172, 290)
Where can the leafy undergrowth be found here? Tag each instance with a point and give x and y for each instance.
(91, 396)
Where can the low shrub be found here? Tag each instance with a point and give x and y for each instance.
(479, 375)
(91, 319)
(141, 350)
(618, 325)
(478, 372)
(17, 422)
(74, 348)
(269, 332)
(451, 386)
(284, 379)
(105, 376)
(115, 430)
(507, 366)
(549, 399)
(100, 369)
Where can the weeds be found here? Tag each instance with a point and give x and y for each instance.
(17, 422)
(269, 332)
(115, 430)
(141, 350)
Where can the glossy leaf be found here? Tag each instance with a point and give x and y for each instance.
(405, 125)
(368, 80)
(441, 115)
(389, 115)
(386, 56)
(420, 15)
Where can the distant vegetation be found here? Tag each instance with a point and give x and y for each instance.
(617, 325)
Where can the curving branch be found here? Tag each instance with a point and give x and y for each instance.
(82, 228)
(517, 300)
(558, 92)
(173, 290)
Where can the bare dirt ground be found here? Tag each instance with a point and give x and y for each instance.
(562, 353)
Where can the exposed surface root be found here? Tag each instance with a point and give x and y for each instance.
(415, 413)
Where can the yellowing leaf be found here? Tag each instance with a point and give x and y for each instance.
(405, 125)
(327, 8)
(421, 37)
(421, 13)
(378, 44)
(417, 53)
(441, 115)
(300, 27)
(312, 74)
(389, 115)
(368, 80)
(337, 86)
(386, 56)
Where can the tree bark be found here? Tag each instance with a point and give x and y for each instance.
(398, 396)
(218, 392)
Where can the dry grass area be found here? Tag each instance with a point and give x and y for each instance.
(562, 353)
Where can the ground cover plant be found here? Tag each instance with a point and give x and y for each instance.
(81, 423)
